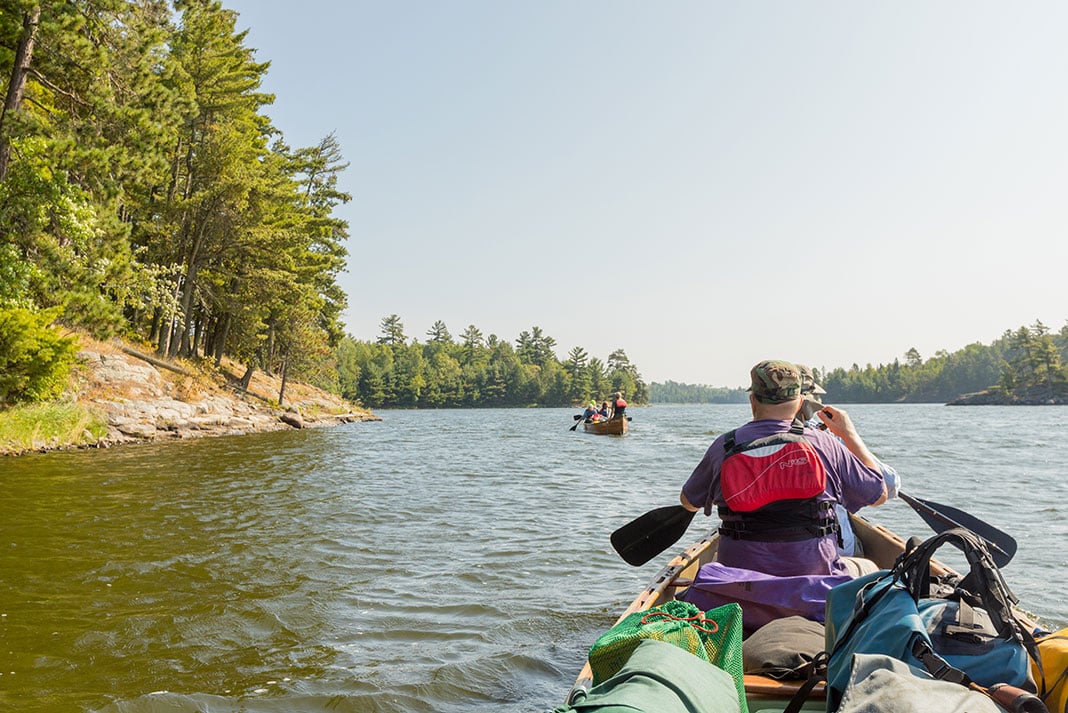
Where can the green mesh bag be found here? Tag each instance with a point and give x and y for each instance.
(714, 636)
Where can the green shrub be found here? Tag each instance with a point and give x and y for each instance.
(35, 359)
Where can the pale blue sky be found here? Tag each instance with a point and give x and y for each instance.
(703, 184)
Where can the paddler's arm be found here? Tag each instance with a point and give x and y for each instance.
(698, 482)
(838, 422)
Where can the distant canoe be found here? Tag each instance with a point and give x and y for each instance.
(611, 427)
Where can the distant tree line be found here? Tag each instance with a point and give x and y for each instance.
(475, 370)
(672, 392)
(1029, 360)
(144, 191)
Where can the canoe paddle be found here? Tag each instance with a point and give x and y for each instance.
(578, 420)
(942, 517)
(646, 536)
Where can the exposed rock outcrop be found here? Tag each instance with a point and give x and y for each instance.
(1001, 398)
(143, 403)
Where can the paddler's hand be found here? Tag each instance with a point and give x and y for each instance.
(837, 421)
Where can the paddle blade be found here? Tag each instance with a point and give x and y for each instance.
(942, 517)
(645, 537)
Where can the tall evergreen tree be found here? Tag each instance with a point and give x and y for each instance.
(439, 333)
(577, 367)
(392, 331)
(221, 144)
(84, 116)
(473, 345)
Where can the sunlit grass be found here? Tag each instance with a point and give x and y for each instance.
(48, 425)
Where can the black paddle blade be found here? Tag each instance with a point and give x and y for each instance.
(942, 517)
(645, 537)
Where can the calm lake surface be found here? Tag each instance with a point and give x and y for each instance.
(435, 561)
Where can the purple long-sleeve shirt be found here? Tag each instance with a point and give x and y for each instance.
(849, 482)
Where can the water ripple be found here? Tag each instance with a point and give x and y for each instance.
(436, 561)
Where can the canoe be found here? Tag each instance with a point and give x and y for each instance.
(762, 692)
(611, 427)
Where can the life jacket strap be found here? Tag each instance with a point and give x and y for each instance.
(786, 521)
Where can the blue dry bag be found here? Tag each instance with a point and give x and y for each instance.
(972, 629)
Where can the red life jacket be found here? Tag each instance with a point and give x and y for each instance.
(771, 487)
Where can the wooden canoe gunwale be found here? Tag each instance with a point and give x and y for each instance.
(683, 566)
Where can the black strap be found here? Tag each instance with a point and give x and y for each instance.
(818, 675)
(782, 521)
(984, 581)
(731, 445)
(984, 578)
(935, 664)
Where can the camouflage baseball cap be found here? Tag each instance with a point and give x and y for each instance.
(775, 381)
(808, 381)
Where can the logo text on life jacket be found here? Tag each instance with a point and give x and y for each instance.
(793, 463)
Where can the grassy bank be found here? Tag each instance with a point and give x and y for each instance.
(48, 425)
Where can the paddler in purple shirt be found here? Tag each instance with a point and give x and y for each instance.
(775, 482)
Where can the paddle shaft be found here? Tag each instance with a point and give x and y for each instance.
(1003, 546)
(922, 506)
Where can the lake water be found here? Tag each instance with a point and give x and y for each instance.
(433, 561)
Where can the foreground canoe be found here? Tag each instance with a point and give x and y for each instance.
(611, 427)
(762, 692)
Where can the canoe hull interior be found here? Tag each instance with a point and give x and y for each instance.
(880, 545)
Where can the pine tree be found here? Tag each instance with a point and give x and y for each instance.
(577, 367)
(392, 331)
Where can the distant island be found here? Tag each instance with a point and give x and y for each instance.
(1022, 397)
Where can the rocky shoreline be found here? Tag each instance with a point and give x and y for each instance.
(1000, 398)
(143, 403)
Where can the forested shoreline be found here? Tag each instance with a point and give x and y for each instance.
(145, 193)
(1025, 365)
(477, 370)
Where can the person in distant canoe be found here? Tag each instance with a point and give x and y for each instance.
(618, 405)
(604, 410)
(590, 412)
(775, 482)
(811, 402)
